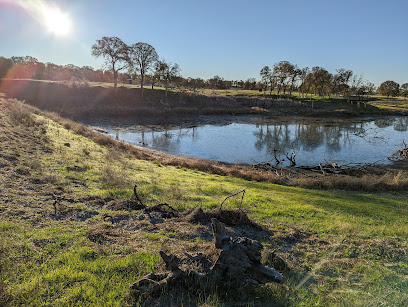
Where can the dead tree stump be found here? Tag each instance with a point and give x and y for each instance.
(236, 268)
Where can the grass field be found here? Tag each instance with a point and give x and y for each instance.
(343, 248)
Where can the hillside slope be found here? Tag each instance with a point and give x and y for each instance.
(67, 239)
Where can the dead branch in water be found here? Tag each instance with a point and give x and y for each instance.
(291, 158)
(277, 161)
(400, 154)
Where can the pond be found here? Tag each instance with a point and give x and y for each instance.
(258, 140)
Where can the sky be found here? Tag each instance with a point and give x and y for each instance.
(232, 39)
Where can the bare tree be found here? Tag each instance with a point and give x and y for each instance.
(167, 72)
(142, 58)
(116, 55)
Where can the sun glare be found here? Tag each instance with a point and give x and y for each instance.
(49, 15)
(56, 21)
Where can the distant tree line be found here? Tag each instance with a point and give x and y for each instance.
(27, 67)
(286, 77)
(140, 62)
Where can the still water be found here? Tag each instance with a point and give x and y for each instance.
(314, 141)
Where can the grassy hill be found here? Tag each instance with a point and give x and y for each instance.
(342, 248)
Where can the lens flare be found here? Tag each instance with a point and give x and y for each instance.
(49, 15)
(56, 21)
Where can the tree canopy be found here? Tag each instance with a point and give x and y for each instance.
(167, 72)
(142, 57)
(115, 52)
(389, 88)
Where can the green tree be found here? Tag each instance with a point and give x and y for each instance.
(303, 78)
(404, 90)
(116, 55)
(265, 76)
(283, 70)
(167, 72)
(217, 82)
(389, 88)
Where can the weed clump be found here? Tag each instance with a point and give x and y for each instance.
(22, 114)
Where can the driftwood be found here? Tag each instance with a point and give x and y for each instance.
(400, 154)
(334, 168)
(235, 269)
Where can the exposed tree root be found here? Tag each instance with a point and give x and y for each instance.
(235, 269)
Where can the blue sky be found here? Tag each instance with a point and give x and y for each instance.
(232, 39)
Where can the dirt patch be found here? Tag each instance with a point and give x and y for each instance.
(101, 234)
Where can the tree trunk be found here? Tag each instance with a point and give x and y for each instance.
(115, 79)
(115, 82)
(141, 83)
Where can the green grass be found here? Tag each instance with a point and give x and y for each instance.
(57, 265)
(111, 172)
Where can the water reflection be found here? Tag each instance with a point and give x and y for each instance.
(313, 140)
(303, 136)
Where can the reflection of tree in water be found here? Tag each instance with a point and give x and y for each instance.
(170, 141)
(309, 136)
(305, 135)
(401, 124)
(164, 141)
(383, 122)
(332, 137)
(275, 137)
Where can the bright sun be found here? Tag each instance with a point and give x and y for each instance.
(56, 21)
